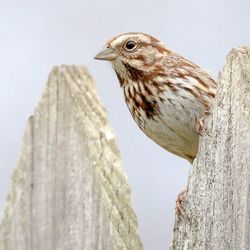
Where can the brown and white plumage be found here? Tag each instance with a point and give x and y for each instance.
(166, 94)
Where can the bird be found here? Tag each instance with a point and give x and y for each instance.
(167, 95)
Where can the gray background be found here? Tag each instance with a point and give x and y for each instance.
(35, 35)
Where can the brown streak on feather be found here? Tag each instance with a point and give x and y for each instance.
(205, 84)
(211, 94)
(140, 58)
(121, 79)
(159, 88)
(136, 74)
(154, 45)
(149, 107)
(197, 96)
(172, 86)
(147, 89)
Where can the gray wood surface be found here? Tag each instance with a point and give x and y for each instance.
(218, 197)
(69, 190)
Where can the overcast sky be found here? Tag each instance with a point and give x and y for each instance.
(36, 35)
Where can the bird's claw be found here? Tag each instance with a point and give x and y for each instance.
(200, 125)
(180, 211)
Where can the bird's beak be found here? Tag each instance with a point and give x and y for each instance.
(106, 54)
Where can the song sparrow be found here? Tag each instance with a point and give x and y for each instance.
(167, 95)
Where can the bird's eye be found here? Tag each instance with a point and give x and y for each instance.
(130, 45)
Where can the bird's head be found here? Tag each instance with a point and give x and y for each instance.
(133, 54)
